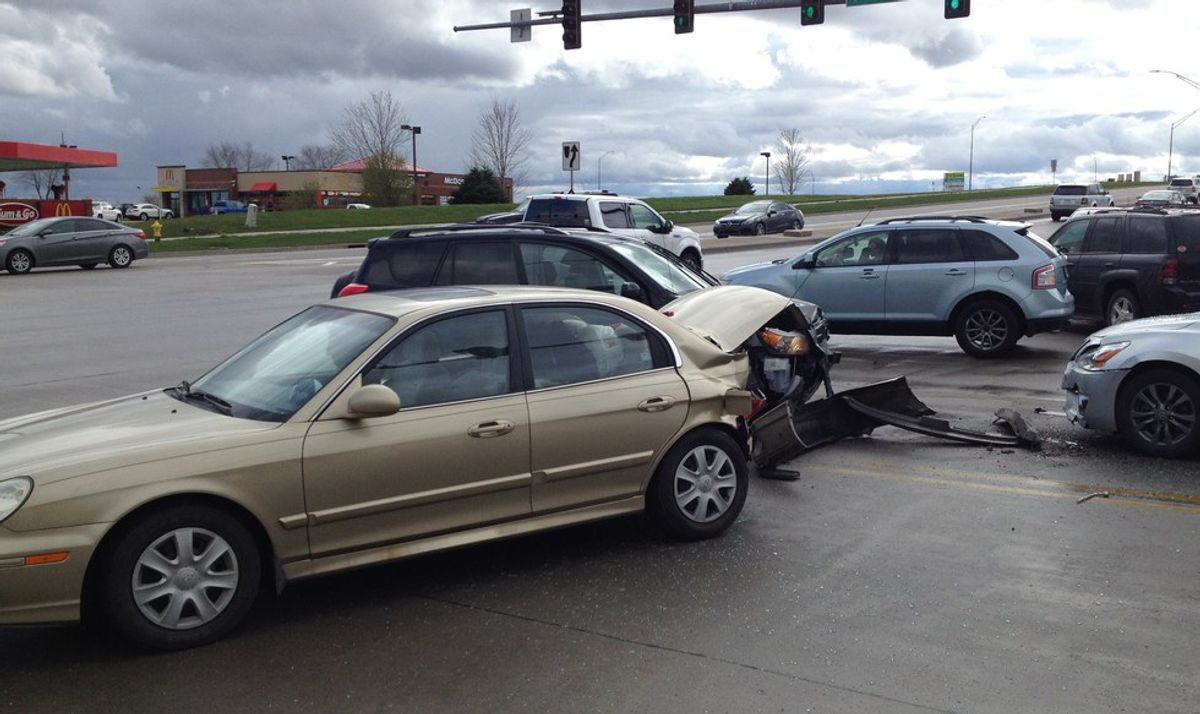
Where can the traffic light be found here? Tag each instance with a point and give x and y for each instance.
(571, 24)
(685, 16)
(957, 8)
(812, 12)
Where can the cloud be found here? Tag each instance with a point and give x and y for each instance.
(48, 56)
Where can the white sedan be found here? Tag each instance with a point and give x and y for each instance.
(146, 211)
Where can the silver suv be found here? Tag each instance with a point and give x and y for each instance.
(1189, 187)
(985, 282)
(1069, 196)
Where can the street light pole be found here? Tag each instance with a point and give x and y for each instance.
(287, 161)
(1171, 144)
(971, 160)
(599, 165)
(767, 154)
(413, 130)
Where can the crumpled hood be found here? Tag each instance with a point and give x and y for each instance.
(729, 314)
(63, 443)
(1186, 321)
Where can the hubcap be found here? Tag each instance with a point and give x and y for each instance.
(705, 484)
(1163, 414)
(185, 578)
(121, 256)
(986, 329)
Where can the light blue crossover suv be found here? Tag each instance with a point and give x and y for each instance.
(986, 282)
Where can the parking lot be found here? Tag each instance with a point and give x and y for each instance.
(899, 573)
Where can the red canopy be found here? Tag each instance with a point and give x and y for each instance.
(17, 156)
(263, 187)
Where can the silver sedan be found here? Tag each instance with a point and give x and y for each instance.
(71, 240)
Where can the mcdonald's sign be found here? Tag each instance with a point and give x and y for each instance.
(63, 209)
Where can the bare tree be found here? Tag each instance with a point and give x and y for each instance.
(243, 157)
(792, 162)
(371, 128)
(500, 141)
(314, 157)
(41, 181)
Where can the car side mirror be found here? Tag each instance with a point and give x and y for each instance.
(633, 291)
(373, 400)
(805, 263)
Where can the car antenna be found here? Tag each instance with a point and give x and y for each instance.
(872, 208)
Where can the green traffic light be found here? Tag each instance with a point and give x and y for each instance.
(812, 11)
(954, 4)
(679, 21)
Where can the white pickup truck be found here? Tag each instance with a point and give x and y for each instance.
(619, 214)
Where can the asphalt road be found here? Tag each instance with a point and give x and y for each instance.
(899, 574)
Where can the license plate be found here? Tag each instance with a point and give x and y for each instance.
(776, 364)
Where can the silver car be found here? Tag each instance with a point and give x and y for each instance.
(1140, 379)
(985, 282)
(71, 240)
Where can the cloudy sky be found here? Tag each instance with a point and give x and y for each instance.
(885, 94)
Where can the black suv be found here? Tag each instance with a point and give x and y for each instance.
(1123, 265)
(523, 254)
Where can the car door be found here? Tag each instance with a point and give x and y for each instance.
(479, 263)
(781, 218)
(455, 456)
(848, 278)
(647, 225)
(564, 267)
(929, 274)
(1100, 253)
(57, 243)
(604, 400)
(93, 239)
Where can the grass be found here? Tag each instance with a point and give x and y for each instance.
(288, 227)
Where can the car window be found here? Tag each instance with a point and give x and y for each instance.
(1069, 191)
(613, 215)
(1104, 237)
(982, 245)
(643, 217)
(668, 271)
(1069, 238)
(928, 245)
(868, 248)
(64, 226)
(480, 264)
(1187, 234)
(91, 224)
(573, 344)
(563, 267)
(559, 212)
(402, 265)
(451, 360)
(1144, 234)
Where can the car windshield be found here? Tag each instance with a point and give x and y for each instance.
(1181, 182)
(1070, 191)
(750, 208)
(31, 228)
(664, 268)
(277, 373)
(1157, 196)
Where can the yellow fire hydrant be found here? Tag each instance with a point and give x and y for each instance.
(157, 228)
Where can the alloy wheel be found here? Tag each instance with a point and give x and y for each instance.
(1121, 310)
(1163, 414)
(986, 329)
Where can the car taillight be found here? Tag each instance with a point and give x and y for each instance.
(756, 406)
(141, 234)
(1043, 278)
(1168, 274)
(353, 289)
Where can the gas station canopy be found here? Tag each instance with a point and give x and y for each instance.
(17, 156)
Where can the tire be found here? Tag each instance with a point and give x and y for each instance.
(146, 559)
(1157, 412)
(760, 229)
(142, 216)
(1056, 217)
(986, 328)
(692, 258)
(700, 486)
(19, 261)
(121, 256)
(1122, 306)
(87, 266)
(797, 224)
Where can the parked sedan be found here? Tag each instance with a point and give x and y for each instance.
(382, 426)
(1161, 199)
(146, 211)
(85, 242)
(1140, 379)
(759, 218)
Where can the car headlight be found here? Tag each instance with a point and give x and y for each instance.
(1094, 358)
(13, 493)
(784, 343)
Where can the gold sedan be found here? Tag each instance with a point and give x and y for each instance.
(374, 428)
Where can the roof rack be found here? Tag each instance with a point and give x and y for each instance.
(972, 219)
(476, 227)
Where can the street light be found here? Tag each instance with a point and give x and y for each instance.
(287, 161)
(599, 164)
(767, 154)
(1171, 143)
(971, 161)
(413, 130)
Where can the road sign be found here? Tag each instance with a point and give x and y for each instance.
(1053, 166)
(570, 156)
(520, 33)
(952, 181)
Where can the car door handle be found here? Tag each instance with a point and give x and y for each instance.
(656, 404)
(955, 271)
(1110, 265)
(488, 429)
(869, 274)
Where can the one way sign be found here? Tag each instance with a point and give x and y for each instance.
(570, 156)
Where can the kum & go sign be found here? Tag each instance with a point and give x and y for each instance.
(13, 213)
